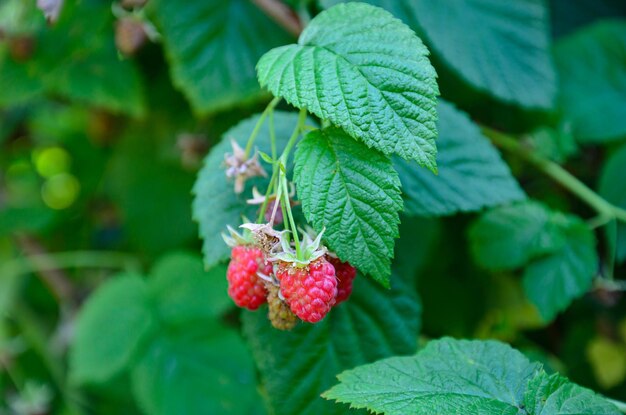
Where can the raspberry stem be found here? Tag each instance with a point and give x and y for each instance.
(282, 179)
(287, 205)
(257, 128)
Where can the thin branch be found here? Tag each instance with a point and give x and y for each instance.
(606, 210)
(282, 14)
(56, 280)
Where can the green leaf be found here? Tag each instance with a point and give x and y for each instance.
(297, 366)
(215, 204)
(184, 292)
(539, 387)
(471, 173)
(77, 59)
(213, 46)
(592, 73)
(557, 249)
(451, 377)
(555, 395)
(354, 193)
(203, 370)
(499, 47)
(111, 327)
(553, 282)
(510, 236)
(446, 377)
(613, 188)
(372, 77)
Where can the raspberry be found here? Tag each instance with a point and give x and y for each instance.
(310, 291)
(345, 276)
(244, 285)
(280, 314)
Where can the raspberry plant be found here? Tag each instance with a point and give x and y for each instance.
(395, 202)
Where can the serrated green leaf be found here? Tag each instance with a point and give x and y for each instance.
(612, 187)
(573, 399)
(297, 366)
(553, 282)
(471, 173)
(539, 388)
(204, 370)
(372, 77)
(570, 398)
(184, 292)
(510, 236)
(446, 377)
(506, 53)
(592, 73)
(354, 193)
(557, 249)
(213, 46)
(454, 377)
(215, 204)
(110, 329)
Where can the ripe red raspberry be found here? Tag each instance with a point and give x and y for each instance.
(244, 285)
(345, 276)
(309, 291)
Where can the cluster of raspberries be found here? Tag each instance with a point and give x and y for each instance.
(304, 289)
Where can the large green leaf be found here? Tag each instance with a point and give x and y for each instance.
(297, 366)
(213, 47)
(110, 330)
(185, 292)
(552, 282)
(592, 73)
(372, 77)
(471, 173)
(558, 251)
(510, 236)
(215, 204)
(613, 187)
(454, 377)
(354, 193)
(500, 47)
(203, 370)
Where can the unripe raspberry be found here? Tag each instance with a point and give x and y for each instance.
(310, 290)
(245, 287)
(345, 274)
(280, 314)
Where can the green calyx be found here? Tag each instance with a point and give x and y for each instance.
(235, 238)
(310, 250)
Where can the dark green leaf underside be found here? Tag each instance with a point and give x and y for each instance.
(471, 174)
(213, 47)
(297, 366)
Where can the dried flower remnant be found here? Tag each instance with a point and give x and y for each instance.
(241, 168)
